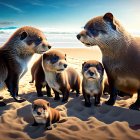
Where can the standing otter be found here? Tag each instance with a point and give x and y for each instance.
(92, 84)
(44, 114)
(60, 78)
(121, 54)
(39, 77)
(15, 55)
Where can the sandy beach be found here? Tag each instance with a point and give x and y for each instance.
(79, 122)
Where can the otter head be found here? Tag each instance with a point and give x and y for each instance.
(31, 40)
(54, 61)
(101, 31)
(92, 70)
(40, 108)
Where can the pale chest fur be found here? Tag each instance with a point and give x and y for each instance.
(92, 87)
(50, 78)
(23, 65)
(41, 119)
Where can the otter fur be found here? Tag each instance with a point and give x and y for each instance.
(120, 54)
(44, 114)
(60, 78)
(15, 55)
(92, 83)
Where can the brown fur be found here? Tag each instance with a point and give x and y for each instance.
(66, 79)
(39, 77)
(94, 67)
(15, 55)
(121, 54)
(53, 116)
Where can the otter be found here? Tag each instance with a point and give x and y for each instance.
(39, 77)
(92, 83)
(44, 114)
(15, 55)
(120, 54)
(60, 78)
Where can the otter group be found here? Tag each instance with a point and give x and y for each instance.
(51, 69)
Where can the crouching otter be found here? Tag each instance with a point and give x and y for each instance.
(15, 55)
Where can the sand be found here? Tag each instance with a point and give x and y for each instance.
(78, 122)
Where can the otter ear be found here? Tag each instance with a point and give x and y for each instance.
(65, 57)
(100, 68)
(48, 104)
(23, 35)
(83, 64)
(109, 18)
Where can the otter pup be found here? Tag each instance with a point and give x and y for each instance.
(39, 77)
(60, 79)
(121, 54)
(44, 114)
(92, 84)
(15, 55)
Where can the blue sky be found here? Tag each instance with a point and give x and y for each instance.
(66, 14)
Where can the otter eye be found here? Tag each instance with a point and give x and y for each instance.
(86, 67)
(54, 59)
(44, 108)
(38, 41)
(93, 32)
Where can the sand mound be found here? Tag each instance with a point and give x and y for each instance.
(78, 122)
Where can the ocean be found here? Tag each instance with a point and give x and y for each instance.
(55, 39)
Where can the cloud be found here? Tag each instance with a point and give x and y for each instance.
(12, 7)
(37, 3)
(5, 23)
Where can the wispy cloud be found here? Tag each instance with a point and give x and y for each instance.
(12, 7)
(6, 23)
(37, 3)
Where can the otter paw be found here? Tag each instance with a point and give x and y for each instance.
(2, 104)
(40, 95)
(64, 100)
(97, 104)
(135, 106)
(56, 98)
(19, 99)
(49, 95)
(49, 128)
(110, 102)
(77, 94)
(87, 104)
(1, 97)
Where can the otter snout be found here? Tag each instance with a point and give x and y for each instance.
(78, 36)
(39, 113)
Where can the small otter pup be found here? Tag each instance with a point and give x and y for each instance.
(44, 114)
(92, 84)
(38, 75)
(60, 79)
(15, 55)
(120, 55)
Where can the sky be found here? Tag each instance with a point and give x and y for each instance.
(67, 14)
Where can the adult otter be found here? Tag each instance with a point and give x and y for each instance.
(15, 55)
(121, 54)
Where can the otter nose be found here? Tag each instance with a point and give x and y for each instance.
(91, 73)
(38, 113)
(49, 46)
(65, 65)
(78, 36)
